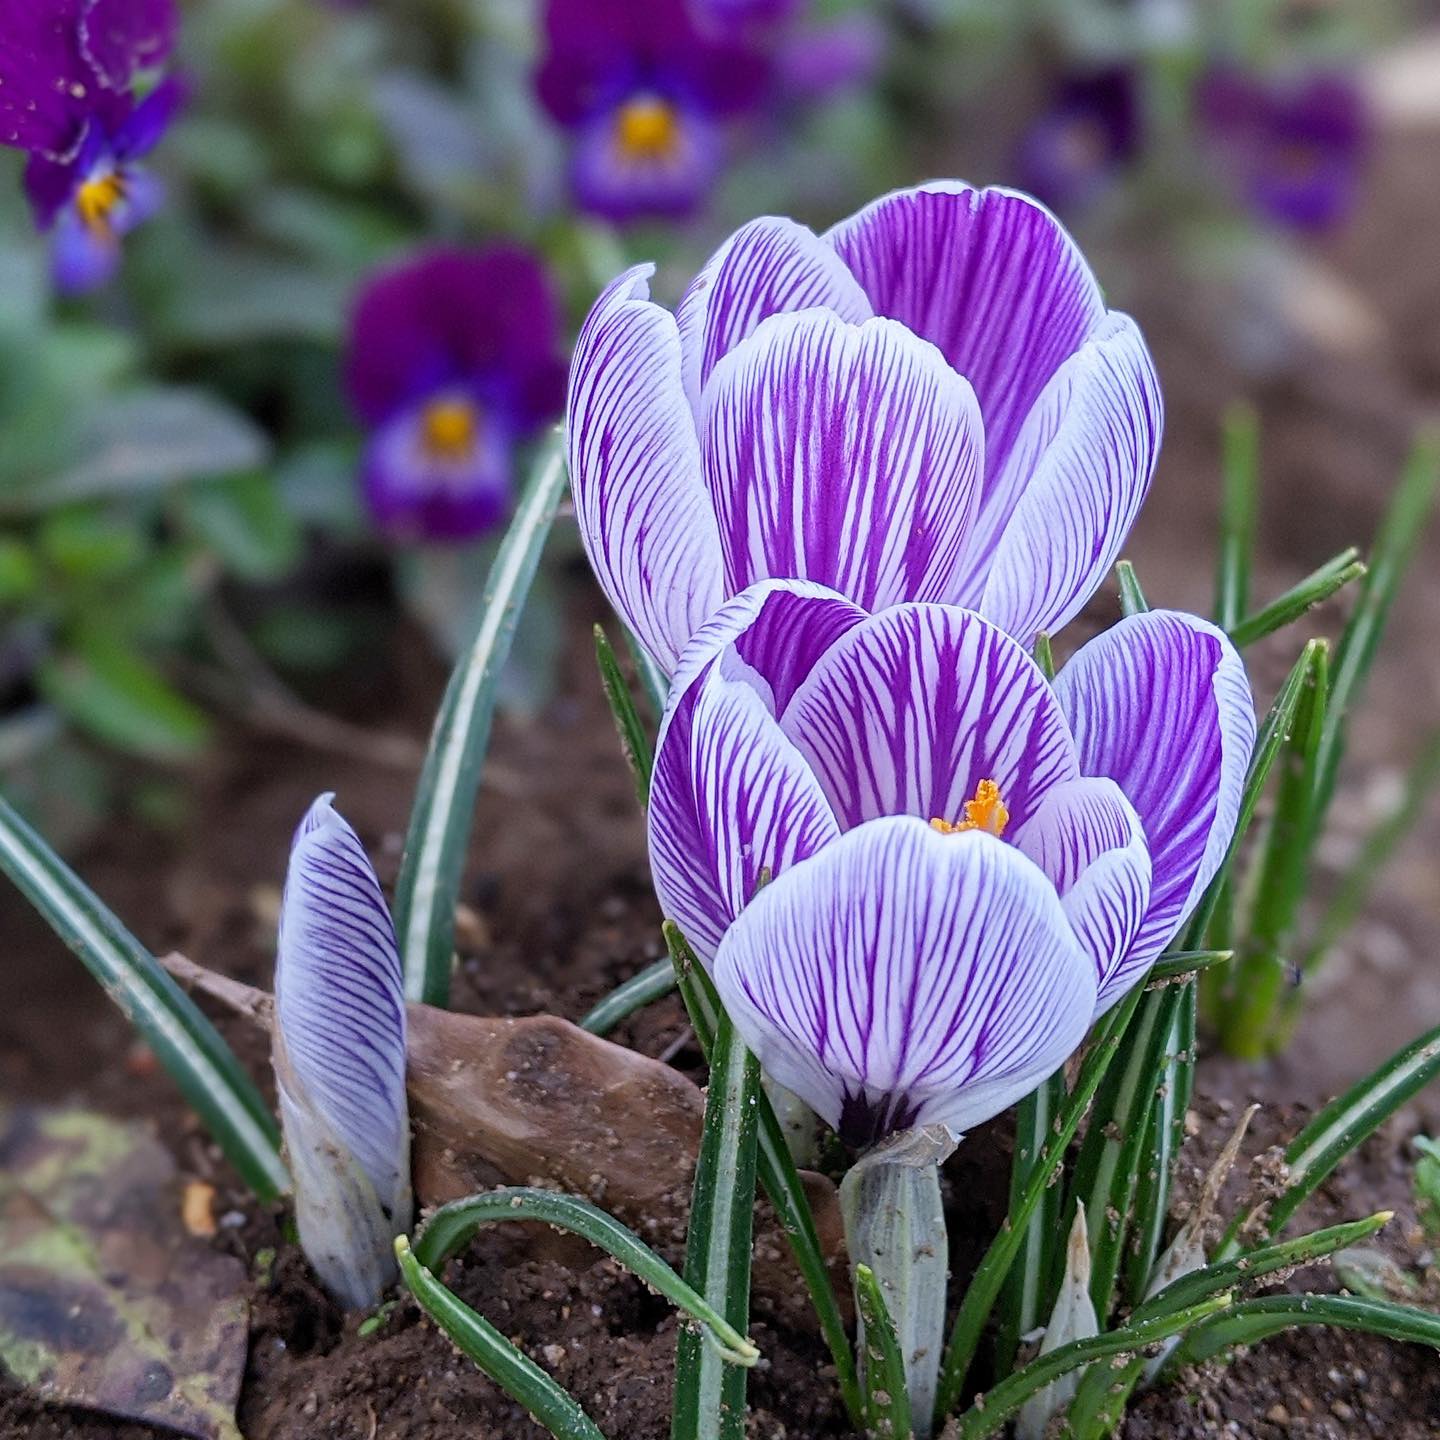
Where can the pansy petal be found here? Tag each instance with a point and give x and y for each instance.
(47, 87)
(643, 511)
(730, 796)
(1078, 476)
(1161, 704)
(339, 1001)
(610, 180)
(909, 712)
(989, 276)
(82, 258)
(849, 455)
(903, 977)
(147, 123)
(122, 37)
(769, 267)
(1088, 839)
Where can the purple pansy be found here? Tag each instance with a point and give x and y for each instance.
(1091, 129)
(340, 1058)
(918, 869)
(67, 68)
(929, 402)
(453, 361)
(645, 93)
(1293, 147)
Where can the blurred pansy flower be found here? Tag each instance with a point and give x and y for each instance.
(452, 362)
(929, 402)
(1292, 146)
(339, 1054)
(1078, 144)
(67, 72)
(916, 868)
(645, 93)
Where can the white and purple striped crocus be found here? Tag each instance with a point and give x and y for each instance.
(930, 402)
(916, 869)
(339, 1053)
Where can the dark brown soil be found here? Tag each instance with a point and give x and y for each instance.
(562, 912)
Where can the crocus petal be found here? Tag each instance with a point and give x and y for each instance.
(767, 267)
(990, 277)
(1161, 704)
(339, 1052)
(849, 455)
(122, 37)
(730, 796)
(903, 977)
(1088, 839)
(1079, 475)
(909, 712)
(643, 511)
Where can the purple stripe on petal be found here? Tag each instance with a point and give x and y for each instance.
(1088, 839)
(902, 977)
(730, 795)
(1161, 704)
(767, 267)
(1078, 476)
(643, 512)
(339, 1003)
(848, 455)
(990, 277)
(909, 712)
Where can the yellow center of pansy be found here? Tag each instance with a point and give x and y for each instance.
(985, 812)
(97, 197)
(449, 429)
(647, 128)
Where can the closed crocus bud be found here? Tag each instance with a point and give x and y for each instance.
(339, 1055)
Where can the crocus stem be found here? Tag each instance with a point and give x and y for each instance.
(895, 1225)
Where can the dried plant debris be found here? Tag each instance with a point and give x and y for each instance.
(107, 1301)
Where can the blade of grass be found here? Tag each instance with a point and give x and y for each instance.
(886, 1396)
(1254, 1320)
(440, 820)
(514, 1372)
(1239, 493)
(639, 755)
(992, 1410)
(1248, 1023)
(451, 1228)
(1345, 1123)
(779, 1177)
(710, 1394)
(188, 1046)
(991, 1273)
(635, 994)
(1290, 605)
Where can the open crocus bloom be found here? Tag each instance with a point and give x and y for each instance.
(339, 1050)
(67, 72)
(452, 362)
(645, 92)
(930, 402)
(916, 868)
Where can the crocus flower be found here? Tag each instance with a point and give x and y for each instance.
(339, 1051)
(918, 869)
(1293, 147)
(67, 70)
(929, 402)
(645, 93)
(1083, 139)
(452, 363)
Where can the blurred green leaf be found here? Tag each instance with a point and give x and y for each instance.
(91, 545)
(19, 572)
(1427, 1185)
(119, 698)
(245, 522)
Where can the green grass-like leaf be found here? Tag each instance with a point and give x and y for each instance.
(639, 754)
(1132, 597)
(635, 994)
(184, 1041)
(441, 818)
(886, 1395)
(1239, 500)
(1290, 605)
(451, 1228)
(515, 1373)
(709, 1394)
